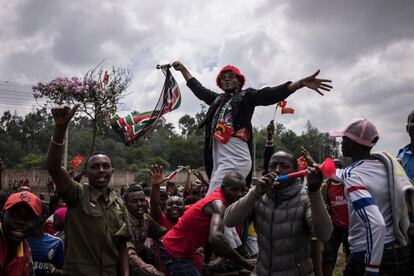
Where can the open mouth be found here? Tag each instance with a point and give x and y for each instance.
(102, 179)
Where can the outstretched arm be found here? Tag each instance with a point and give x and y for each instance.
(272, 95)
(311, 82)
(216, 237)
(60, 177)
(156, 181)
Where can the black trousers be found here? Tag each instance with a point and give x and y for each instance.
(396, 261)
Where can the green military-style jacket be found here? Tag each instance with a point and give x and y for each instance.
(93, 230)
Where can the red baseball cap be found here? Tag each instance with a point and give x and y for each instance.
(360, 131)
(27, 197)
(233, 69)
(61, 214)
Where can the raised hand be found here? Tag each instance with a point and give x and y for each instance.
(315, 84)
(199, 176)
(184, 71)
(270, 130)
(155, 172)
(178, 65)
(63, 115)
(311, 162)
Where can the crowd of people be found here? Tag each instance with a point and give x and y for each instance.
(229, 221)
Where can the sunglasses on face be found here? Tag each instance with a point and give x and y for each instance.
(229, 75)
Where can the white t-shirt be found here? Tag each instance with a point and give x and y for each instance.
(370, 214)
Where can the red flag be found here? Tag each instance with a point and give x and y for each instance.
(302, 164)
(76, 161)
(287, 110)
(282, 104)
(174, 173)
(106, 78)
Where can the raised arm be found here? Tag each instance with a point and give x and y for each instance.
(317, 215)
(187, 190)
(269, 148)
(156, 181)
(60, 177)
(181, 68)
(196, 87)
(216, 235)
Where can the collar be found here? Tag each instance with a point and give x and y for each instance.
(287, 192)
(133, 220)
(407, 149)
(95, 194)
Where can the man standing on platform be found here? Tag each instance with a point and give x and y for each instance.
(228, 143)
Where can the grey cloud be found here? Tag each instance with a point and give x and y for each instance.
(342, 31)
(33, 16)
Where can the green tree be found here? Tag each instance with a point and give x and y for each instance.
(33, 161)
(187, 124)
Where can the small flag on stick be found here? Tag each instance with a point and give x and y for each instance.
(77, 161)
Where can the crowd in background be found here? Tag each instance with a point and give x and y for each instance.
(228, 222)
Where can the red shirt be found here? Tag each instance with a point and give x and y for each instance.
(19, 265)
(337, 204)
(164, 221)
(192, 230)
(49, 227)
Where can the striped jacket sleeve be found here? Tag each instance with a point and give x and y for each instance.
(364, 206)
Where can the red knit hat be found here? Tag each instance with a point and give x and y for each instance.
(235, 70)
(26, 197)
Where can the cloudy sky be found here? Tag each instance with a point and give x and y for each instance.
(365, 47)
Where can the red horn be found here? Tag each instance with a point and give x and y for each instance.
(328, 168)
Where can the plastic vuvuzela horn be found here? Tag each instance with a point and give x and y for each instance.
(327, 168)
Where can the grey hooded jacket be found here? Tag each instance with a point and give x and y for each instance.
(285, 221)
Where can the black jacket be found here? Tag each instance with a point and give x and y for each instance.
(243, 104)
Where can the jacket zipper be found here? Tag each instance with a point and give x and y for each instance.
(271, 234)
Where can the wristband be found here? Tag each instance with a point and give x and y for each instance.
(56, 143)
